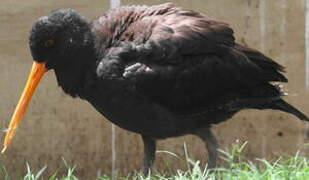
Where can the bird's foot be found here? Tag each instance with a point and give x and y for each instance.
(136, 69)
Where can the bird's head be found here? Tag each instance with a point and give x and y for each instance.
(55, 38)
(55, 41)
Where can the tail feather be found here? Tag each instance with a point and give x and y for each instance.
(280, 104)
(272, 69)
(275, 103)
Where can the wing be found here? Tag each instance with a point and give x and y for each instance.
(179, 58)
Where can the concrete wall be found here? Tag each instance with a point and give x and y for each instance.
(57, 126)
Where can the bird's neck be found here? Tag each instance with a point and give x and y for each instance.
(76, 75)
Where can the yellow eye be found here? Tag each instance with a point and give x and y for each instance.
(49, 43)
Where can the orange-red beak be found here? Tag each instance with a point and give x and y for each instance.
(36, 73)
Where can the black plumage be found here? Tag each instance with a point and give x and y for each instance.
(159, 71)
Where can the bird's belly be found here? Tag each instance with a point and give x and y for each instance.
(130, 111)
(140, 116)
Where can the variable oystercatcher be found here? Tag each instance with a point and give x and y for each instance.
(159, 71)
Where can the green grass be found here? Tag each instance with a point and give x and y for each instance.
(237, 167)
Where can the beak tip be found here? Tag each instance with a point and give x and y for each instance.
(3, 150)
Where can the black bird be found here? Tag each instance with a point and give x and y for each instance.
(159, 71)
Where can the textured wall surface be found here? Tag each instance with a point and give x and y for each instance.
(57, 126)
